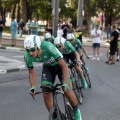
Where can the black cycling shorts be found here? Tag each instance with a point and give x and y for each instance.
(49, 74)
(70, 56)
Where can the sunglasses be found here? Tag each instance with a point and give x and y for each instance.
(31, 50)
(59, 46)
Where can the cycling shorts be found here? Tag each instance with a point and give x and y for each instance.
(78, 49)
(49, 74)
(70, 56)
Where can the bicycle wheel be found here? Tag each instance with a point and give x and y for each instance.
(56, 113)
(87, 78)
(77, 88)
(70, 113)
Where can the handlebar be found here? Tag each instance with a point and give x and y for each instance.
(47, 89)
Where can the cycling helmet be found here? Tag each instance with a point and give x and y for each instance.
(32, 41)
(47, 35)
(70, 36)
(59, 40)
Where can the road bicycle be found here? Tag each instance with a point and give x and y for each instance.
(76, 83)
(55, 111)
(86, 74)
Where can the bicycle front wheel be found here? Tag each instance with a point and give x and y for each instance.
(87, 78)
(70, 113)
(77, 89)
(55, 113)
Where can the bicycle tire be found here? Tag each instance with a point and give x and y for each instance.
(77, 90)
(87, 78)
(58, 112)
(70, 113)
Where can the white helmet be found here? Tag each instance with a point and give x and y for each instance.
(47, 35)
(70, 36)
(32, 41)
(59, 40)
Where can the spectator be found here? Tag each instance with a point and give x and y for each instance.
(108, 30)
(96, 33)
(21, 26)
(104, 34)
(13, 31)
(78, 33)
(113, 45)
(49, 28)
(59, 23)
(1, 29)
(70, 29)
(34, 27)
(65, 28)
(59, 31)
(28, 26)
(118, 48)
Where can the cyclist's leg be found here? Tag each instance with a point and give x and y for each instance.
(71, 97)
(80, 73)
(47, 79)
(73, 101)
(78, 69)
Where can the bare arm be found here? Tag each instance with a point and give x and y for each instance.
(1, 25)
(32, 78)
(111, 38)
(83, 49)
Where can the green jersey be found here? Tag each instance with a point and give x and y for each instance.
(36, 25)
(68, 48)
(77, 44)
(51, 39)
(50, 55)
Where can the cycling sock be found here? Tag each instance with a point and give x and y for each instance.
(75, 108)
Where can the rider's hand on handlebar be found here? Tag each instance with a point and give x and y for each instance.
(66, 87)
(32, 91)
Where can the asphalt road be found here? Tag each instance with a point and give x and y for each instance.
(101, 102)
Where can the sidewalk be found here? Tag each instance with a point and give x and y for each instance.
(20, 41)
(7, 65)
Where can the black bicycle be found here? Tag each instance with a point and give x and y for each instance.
(76, 83)
(55, 111)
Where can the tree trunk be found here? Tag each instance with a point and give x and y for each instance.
(18, 12)
(23, 10)
(108, 17)
(13, 11)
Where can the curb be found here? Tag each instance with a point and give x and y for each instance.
(12, 48)
(13, 70)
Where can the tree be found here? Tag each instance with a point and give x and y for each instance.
(23, 10)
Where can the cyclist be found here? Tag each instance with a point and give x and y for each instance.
(48, 37)
(46, 52)
(78, 46)
(69, 53)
